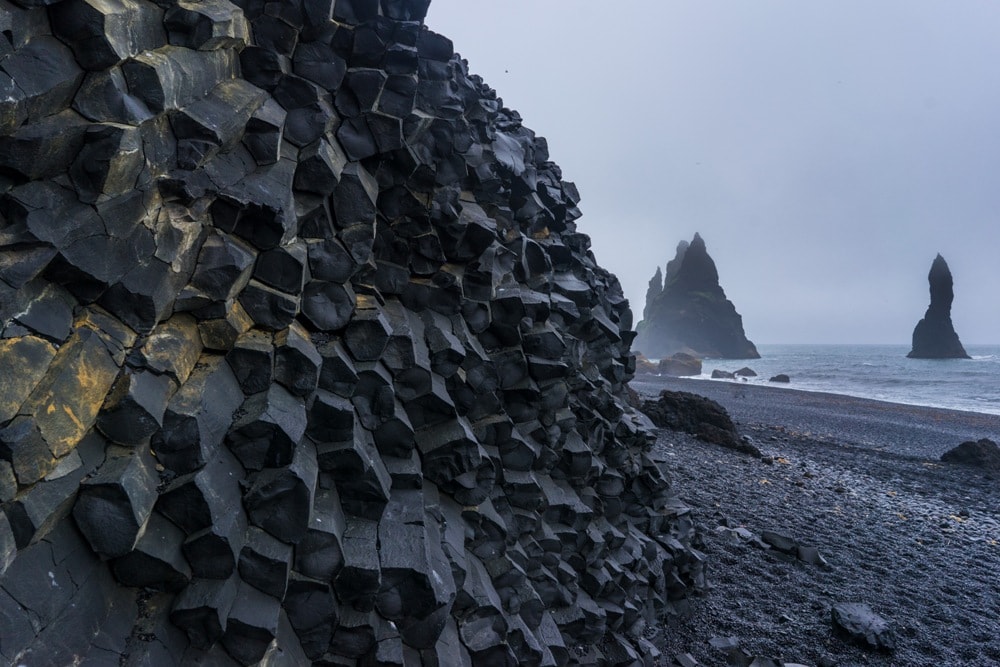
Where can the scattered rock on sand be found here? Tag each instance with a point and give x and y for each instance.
(811, 555)
(788, 546)
(738, 657)
(780, 542)
(718, 374)
(724, 643)
(780, 377)
(746, 372)
(982, 453)
(699, 416)
(680, 364)
(858, 622)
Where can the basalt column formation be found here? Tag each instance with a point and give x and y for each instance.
(303, 359)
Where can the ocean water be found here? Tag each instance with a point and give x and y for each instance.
(881, 372)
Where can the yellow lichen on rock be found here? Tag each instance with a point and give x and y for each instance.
(24, 361)
(66, 402)
(174, 347)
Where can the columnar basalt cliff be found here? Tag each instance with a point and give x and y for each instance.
(690, 313)
(934, 336)
(303, 358)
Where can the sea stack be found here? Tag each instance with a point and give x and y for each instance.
(934, 336)
(689, 311)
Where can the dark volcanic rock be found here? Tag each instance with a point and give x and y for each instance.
(780, 377)
(655, 287)
(780, 542)
(680, 364)
(299, 336)
(697, 415)
(857, 621)
(983, 453)
(644, 366)
(934, 336)
(690, 312)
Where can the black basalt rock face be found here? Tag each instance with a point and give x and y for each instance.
(690, 312)
(303, 358)
(934, 336)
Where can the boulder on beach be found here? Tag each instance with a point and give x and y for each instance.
(719, 374)
(780, 377)
(863, 626)
(697, 415)
(983, 453)
(934, 336)
(745, 372)
(690, 311)
(644, 366)
(680, 364)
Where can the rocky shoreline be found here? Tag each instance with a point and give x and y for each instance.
(860, 484)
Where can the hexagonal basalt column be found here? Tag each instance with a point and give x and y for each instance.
(114, 505)
(102, 33)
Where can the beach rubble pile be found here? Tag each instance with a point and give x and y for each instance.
(304, 359)
(699, 416)
(780, 545)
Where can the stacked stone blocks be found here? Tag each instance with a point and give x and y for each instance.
(303, 357)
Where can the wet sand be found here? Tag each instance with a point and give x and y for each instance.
(861, 480)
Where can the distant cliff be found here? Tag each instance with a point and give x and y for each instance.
(689, 311)
(934, 336)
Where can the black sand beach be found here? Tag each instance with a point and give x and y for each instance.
(860, 480)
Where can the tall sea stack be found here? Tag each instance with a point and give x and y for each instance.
(934, 336)
(690, 312)
(303, 359)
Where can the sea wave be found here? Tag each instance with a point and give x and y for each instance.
(880, 372)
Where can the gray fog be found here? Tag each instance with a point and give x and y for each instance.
(826, 151)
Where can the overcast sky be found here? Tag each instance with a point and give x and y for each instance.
(826, 151)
